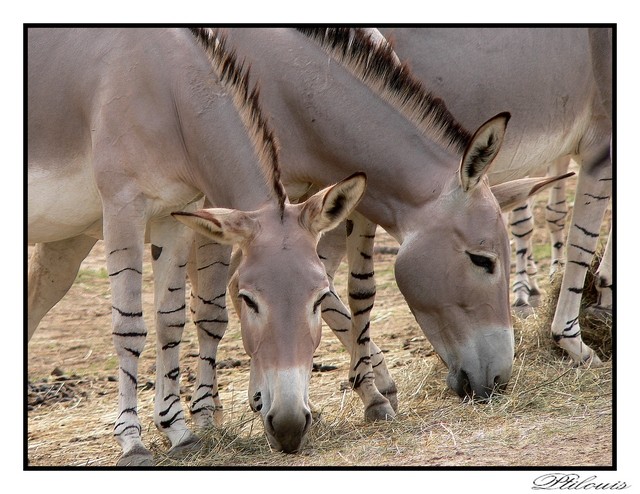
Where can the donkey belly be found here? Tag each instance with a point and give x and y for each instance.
(62, 205)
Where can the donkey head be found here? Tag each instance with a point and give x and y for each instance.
(454, 274)
(277, 290)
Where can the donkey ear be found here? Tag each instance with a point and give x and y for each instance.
(327, 208)
(226, 226)
(482, 149)
(511, 194)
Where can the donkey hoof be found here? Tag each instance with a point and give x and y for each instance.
(190, 444)
(391, 394)
(136, 457)
(591, 362)
(599, 312)
(522, 311)
(379, 411)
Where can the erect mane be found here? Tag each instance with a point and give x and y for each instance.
(375, 64)
(235, 77)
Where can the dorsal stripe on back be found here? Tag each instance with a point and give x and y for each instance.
(234, 76)
(376, 66)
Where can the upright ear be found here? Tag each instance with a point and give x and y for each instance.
(226, 226)
(482, 149)
(327, 208)
(513, 193)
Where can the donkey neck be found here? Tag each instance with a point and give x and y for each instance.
(213, 132)
(330, 124)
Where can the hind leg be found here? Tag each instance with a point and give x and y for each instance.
(53, 268)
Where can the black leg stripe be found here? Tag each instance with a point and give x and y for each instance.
(524, 220)
(362, 295)
(226, 264)
(204, 396)
(133, 352)
(125, 269)
(168, 423)
(166, 410)
(363, 311)
(136, 427)
(130, 376)
(523, 234)
(580, 263)
(587, 232)
(588, 251)
(331, 309)
(211, 361)
(363, 360)
(362, 276)
(126, 314)
(182, 307)
(127, 410)
(173, 374)
(209, 333)
(178, 325)
(130, 335)
(361, 338)
(171, 344)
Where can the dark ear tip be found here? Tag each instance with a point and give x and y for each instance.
(505, 115)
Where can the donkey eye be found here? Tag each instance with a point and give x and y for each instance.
(319, 301)
(249, 302)
(483, 261)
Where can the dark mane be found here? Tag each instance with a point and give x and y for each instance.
(235, 77)
(376, 65)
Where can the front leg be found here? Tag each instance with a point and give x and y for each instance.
(170, 245)
(124, 243)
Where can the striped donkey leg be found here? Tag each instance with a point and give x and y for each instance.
(124, 229)
(524, 285)
(362, 290)
(556, 215)
(209, 311)
(171, 242)
(331, 249)
(52, 270)
(592, 197)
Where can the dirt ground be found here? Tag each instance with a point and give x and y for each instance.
(72, 392)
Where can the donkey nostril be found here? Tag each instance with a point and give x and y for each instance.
(308, 420)
(499, 384)
(269, 421)
(465, 384)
